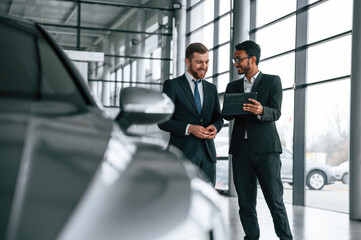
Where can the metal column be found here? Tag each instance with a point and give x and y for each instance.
(299, 108)
(241, 28)
(78, 26)
(140, 46)
(179, 37)
(105, 86)
(355, 116)
(165, 44)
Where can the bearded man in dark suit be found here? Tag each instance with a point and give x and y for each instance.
(196, 119)
(255, 144)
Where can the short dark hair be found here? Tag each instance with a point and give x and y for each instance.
(195, 47)
(251, 48)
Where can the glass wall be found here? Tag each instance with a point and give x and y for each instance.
(328, 101)
(279, 8)
(327, 85)
(323, 62)
(282, 66)
(327, 141)
(272, 43)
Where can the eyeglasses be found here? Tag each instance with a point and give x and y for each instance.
(238, 60)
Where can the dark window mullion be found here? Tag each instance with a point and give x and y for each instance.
(299, 130)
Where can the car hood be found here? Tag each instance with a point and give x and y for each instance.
(49, 152)
(312, 165)
(340, 169)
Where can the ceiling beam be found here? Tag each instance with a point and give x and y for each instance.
(122, 5)
(120, 21)
(88, 34)
(72, 11)
(116, 24)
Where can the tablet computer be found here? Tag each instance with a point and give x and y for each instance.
(233, 103)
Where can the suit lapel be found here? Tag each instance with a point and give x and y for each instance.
(256, 82)
(241, 87)
(185, 85)
(206, 97)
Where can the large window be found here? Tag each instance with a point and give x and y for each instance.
(224, 27)
(224, 60)
(277, 38)
(201, 14)
(327, 141)
(327, 118)
(285, 130)
(268, 11)
(325, 62)
(282, 66)
(322, 22)
(203, 35)
(325, 87)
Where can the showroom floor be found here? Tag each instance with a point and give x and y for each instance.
(306, 223)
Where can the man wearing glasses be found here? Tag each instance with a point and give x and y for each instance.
(255, 144)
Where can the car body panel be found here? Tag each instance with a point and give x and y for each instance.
(62, 134)
(342, 171)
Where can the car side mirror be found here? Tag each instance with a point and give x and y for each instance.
(143, 106)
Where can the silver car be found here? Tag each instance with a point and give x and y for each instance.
(69, 172)
(317, 174)
(341, 172)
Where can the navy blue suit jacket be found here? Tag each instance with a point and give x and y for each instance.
(185, 112)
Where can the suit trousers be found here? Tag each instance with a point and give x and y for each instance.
(247, 167)
(206, 164)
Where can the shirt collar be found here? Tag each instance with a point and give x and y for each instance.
(253, 78)
(189, 77)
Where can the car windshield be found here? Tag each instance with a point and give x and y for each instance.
(19, 72)
(30, 68)
(344, 164)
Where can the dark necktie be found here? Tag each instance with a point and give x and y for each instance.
(197, 98)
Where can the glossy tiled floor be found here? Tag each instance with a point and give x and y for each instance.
(306, 223)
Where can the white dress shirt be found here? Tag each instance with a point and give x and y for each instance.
(190, 79)
(247, 85)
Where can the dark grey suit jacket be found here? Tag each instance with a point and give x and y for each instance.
(262, 134)
(185, 112)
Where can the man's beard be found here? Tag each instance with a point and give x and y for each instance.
(195, 73)
(245, 69)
